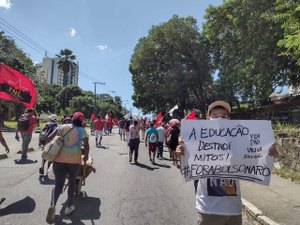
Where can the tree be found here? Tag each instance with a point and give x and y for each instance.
(288, 14)
(83, 104)
(171, 66)
(244, 44)
(66, 94)
(46, 100)
(65, 60)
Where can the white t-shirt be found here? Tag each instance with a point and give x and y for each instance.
(219, 196)
(161, 134)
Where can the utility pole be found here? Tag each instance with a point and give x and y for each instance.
(95, 95)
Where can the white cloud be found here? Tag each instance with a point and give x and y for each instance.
(5, 4)
(102, 47)
(72, 31)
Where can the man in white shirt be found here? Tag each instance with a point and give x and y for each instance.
(160, 142)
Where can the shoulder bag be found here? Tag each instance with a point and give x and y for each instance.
(53, 148)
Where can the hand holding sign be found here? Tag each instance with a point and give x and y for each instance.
(229, 149)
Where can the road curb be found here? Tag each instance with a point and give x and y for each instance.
(257, 214)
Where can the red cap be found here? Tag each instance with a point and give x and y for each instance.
(78, 115)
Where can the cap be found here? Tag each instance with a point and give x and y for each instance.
(53, 117)
(78, 115)
(223, 104)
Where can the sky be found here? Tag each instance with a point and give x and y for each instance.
(101, 33)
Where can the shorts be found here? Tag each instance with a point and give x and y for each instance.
(122, 131)
(207, 219)
(152, 147)
(98, 133)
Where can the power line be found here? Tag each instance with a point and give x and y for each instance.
(11, 34)
(17, 34)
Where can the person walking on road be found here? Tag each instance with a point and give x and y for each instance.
(98, 126)
(121, 124)
(160, 142)
(173, 141)
(134, 141)
(151, 141)
(3, 142)
(68, 161)
(26, 124)
(46, 131)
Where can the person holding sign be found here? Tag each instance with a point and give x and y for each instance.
(218, 199)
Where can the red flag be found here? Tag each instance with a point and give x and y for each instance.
(93, 116)
(14, 86)
(191, 115)
(159, 118)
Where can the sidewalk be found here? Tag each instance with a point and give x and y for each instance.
(279, 202)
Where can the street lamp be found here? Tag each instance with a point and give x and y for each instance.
(125, 102)
(95, 96)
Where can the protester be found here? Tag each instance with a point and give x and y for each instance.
(151, 141)
(26, 127)
(98, 126)
(126, 128)
(92, 126)
(218, 200)
(68, 162)
(160, 142)
(3, 142)
(109, 126)
(143, 128)
(134, 141)
(173, 141)
(67, 119)
(121, 128)
(46, 131)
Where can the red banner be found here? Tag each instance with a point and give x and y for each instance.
(14, 86)
(191, 115)
(159, 118)
(93, 116)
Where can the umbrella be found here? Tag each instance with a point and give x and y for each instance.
(174, 122)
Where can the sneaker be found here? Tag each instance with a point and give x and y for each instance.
(51, 215)
(130, 158)
(69, 210)
(41, 171)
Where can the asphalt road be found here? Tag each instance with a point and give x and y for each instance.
(119, 193)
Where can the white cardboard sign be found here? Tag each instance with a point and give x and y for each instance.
(227, 149)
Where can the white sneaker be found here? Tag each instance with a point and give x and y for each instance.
(69, 210)
(51, 215)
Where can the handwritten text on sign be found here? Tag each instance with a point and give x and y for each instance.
(227, 148)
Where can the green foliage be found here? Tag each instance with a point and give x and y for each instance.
(64, 96)
(289, 16)
(244, 37)
(83, 104)
(65, 59)
(285, 128)
(171, 66)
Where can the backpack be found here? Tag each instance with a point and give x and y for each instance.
(153, 138)
(23, 122)
(47, 130)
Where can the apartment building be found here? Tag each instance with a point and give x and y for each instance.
(48, 69)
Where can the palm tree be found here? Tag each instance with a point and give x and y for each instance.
(65, 60)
